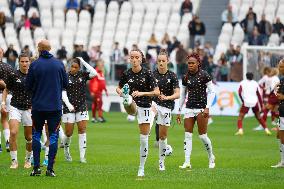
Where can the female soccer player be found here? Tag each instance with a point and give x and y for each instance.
(97, 86)
(5, 70)
(280, 96)
(251, 98)
(263, 84)
(137, 86)
(164, 103)
(20, 110)
(75, 107)
(198, 85)
(272, 104)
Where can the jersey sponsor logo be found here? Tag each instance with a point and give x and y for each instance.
(18, 81)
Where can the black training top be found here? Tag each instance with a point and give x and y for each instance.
(143, 81)
(76, 91)
(15, 83)
(281, 104)
(5, 71)
(167, 83)
(196, 87)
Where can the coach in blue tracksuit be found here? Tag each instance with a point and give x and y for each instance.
(46, 79)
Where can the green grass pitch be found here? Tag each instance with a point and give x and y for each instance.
(113, 159)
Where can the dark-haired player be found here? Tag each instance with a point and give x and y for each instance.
(5, 70)
(164, 104)
(251, 98)
(137, 86)
(75, 106)
(198, 85)
(20, 110)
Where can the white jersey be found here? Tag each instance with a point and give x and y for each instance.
(264, 82)
(273, 82)
(249, 90)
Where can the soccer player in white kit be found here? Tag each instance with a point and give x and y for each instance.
(273, 102)
(251, 98)
(137, 86)
(20, 110)
(75, 106)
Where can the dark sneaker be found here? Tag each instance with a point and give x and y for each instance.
(0, 148)
(50, 173)
(36, 172)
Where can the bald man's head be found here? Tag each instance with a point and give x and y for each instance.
(44, 45)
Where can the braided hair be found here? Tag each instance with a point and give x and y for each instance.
(196, 56)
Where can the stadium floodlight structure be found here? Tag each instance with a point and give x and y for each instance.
(255, 58)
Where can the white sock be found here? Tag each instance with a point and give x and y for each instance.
(82, 145)
(6, 133)
(61, 134)
(28, 156)
(143, 149)
(67, 141)
(207, 143)
(46, 152)
(14, 155)
(152, 118)
(44, 137)
(187, 146)
(162, 149)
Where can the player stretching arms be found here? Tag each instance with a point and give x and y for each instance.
(200, 88)
(137, 86)
(250, 96)
(20, 110)
(164, 103)
(76, 110)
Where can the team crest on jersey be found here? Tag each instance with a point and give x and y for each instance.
(130, 81)
(70, 81)
(169, 80)
(18, 81)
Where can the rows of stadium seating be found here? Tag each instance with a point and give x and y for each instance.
(133, 22)
(235, 35)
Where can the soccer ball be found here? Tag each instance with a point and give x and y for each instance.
(130, 118)
(169, 150)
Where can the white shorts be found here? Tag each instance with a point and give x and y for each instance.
(75, 117)
(192, 112)
(281, 124)
(164, 115)
(22, 116)
(8, 100)
(143, 115)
